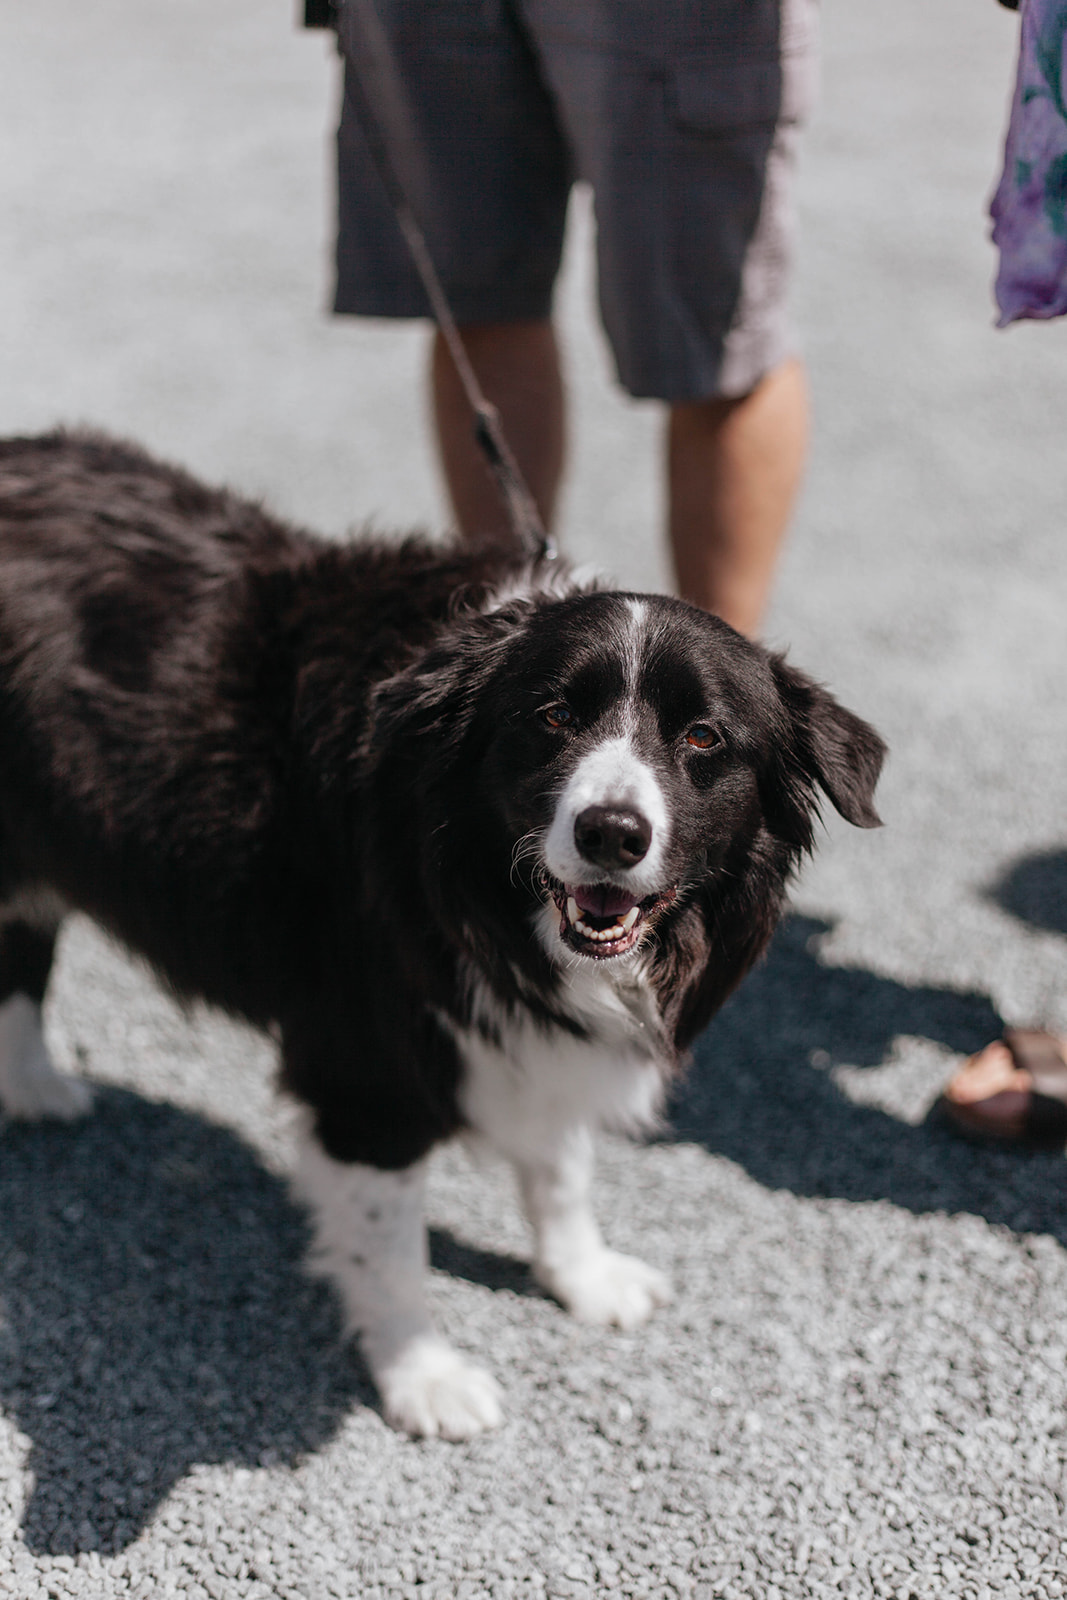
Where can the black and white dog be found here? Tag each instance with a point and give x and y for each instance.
(484, 848)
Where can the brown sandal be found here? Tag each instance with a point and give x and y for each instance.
(1033, 1113)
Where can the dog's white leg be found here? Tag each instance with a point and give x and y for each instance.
(30, 1086)
(370, 1241)
(570, 1258)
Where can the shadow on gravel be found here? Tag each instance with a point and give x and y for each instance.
(153, 1309)
(1035, 890)
(153, 1314)
(486, 1267)
(755, 1095)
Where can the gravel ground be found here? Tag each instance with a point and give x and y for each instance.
(862, 1387)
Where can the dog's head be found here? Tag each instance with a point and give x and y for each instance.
(617, 760)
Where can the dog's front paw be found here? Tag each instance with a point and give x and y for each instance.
(608, 1288)
(430, 1391)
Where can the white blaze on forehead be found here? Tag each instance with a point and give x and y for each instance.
(638, 612)
(612, 774)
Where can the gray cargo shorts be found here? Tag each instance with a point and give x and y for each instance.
(683, 115)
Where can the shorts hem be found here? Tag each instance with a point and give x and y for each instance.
(465, 308)
(730, 382)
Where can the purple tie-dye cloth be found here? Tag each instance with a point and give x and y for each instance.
(1029, 209)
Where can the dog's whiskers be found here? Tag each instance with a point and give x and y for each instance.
(525, 848)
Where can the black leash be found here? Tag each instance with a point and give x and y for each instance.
(385, 116)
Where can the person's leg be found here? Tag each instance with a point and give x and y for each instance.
(518, 366)
(498, 174)
(693, 173)
(733, 471)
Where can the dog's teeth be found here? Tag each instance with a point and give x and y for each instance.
(619, 930)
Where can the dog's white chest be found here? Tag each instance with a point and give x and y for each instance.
(526, 1085)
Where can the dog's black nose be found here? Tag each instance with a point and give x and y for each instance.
(612, 836)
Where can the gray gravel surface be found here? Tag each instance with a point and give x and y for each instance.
(861, 1388)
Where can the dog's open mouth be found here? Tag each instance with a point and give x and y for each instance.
(601, 920)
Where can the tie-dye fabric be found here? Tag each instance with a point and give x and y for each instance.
(1029, 209)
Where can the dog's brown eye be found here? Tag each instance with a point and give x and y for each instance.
(701, 736)
(558, 716)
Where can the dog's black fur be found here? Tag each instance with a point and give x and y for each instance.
(293, 775)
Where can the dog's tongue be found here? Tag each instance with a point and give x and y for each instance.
(603, 899)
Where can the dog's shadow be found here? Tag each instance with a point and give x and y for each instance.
(154, 1313)
(753, 1093)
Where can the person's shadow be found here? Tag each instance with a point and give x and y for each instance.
(754, 1095)
(1035, 890)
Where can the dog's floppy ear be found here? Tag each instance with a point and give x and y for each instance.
(834, 748)
(439, 693)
